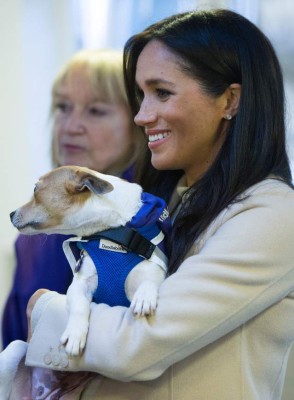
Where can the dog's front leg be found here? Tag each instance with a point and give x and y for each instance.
(142, 286)
(79, 297)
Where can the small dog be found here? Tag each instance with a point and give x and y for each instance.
(82, 202)
(100, 210)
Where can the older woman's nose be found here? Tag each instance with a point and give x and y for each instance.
(74, 124)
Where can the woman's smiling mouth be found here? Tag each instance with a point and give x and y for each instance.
(156, 136)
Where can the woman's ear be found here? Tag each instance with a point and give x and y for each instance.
(233, 99)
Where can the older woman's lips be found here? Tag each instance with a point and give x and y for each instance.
(71, 148)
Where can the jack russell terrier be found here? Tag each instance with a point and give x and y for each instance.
(118, 252)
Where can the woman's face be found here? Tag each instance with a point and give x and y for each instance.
(184, 125)
(88, 132)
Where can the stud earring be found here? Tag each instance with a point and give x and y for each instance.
(228, 117)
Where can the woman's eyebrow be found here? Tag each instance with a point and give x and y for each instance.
(60, 94)
(158, 81)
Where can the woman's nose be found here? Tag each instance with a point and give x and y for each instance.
(145, 115)
(74, 123)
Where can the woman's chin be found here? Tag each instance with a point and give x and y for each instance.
(81, 161)
(162, 164)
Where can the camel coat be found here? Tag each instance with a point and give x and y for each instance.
(224, 324)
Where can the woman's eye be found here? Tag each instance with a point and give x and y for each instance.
(139, 95)
(163, 93)
(62, 107)
(97, 112)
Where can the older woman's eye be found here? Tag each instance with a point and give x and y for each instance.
(62, 106)
(97, 111)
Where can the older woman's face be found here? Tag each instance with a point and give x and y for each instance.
(184, 125)
(88, 132)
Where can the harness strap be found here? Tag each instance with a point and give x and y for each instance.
(127, 237)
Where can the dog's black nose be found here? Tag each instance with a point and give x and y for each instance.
(11, 215)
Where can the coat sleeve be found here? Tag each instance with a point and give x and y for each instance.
(245, 266)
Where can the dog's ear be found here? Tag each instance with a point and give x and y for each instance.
(82, 182)
(96, 185)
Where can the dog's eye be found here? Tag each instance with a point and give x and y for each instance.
(35, 188)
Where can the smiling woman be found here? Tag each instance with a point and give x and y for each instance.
(170, 106)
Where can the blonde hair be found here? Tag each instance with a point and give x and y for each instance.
(104, 70)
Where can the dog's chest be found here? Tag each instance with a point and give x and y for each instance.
(112, 267)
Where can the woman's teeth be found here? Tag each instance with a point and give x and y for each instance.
(159, 136)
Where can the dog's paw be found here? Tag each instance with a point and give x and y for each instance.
(74, 339)
(9, 361)
(144, 301)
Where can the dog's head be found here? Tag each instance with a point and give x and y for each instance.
(79, 201)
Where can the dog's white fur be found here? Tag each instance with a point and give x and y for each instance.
(79, 201)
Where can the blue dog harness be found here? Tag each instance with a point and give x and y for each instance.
(115, 252)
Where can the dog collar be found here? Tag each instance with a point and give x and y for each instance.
(144, 234)
(128, 238)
